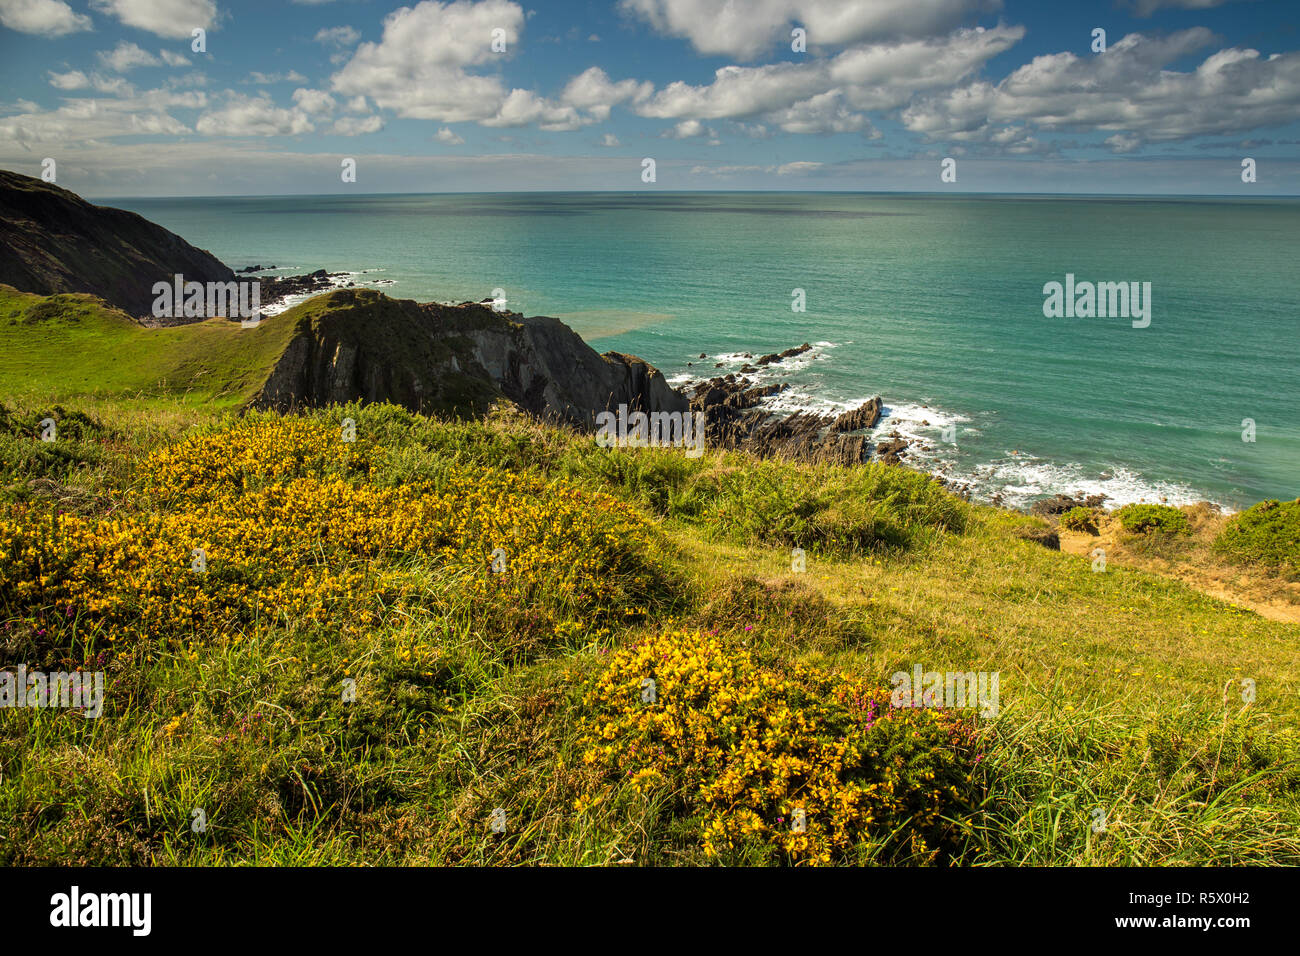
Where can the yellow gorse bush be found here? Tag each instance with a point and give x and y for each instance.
(749, 748)
(292, 532)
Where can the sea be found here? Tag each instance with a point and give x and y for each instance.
(933, 302)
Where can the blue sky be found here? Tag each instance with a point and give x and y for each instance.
(583, 91)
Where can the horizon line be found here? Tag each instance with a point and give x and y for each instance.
(630, 192)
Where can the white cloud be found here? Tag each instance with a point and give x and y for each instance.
(74, 80)
(173, 59)
(1128, 89)
(337, 36)
(689, 129)
(263, 79)
(314, 102)
(418, 68)
(746, 30)
(50, 18)
(609, 140)
(114, 85)
(165, 18)
(830, 95)
(445, 135)
(88, 120)
(127, 56)
(594, 92)
(823, 113)
(1123, 142)
(357, 125)
(253, 116)
(524, 108)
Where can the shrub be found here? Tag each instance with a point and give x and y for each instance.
(1080, 519)
(1149, 519)
(292, 533)
(1267, 533)
(23, 455)
(745, 746)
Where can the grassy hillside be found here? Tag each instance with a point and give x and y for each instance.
(1140, 721)
(68, 347)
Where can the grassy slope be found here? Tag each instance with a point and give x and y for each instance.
(1119, 689)
(69, 347)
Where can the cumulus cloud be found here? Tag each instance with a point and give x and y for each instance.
(828, 96)
(746, 30)
(165, 18)
(49, 18)
(253, 116)
(445, 135)
(525, 108)
(593, 92)
(419, 69)
(86, 120)
(127, 56)
(73, 80)
(1129, 89)
(609, 140)
(313, 102)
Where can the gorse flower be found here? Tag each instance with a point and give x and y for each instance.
(292, 530)
(751, 745)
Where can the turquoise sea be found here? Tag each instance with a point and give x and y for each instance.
(933, 302)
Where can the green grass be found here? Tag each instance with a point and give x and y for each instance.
(1171, 712)
(74, 347)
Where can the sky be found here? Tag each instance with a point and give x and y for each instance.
(1132, 97)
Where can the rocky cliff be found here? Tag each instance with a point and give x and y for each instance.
(53, 241)
(360, 344)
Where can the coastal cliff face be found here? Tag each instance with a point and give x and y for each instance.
(53, 241)
(452, 359)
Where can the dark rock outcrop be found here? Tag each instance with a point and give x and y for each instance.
(865, 415)
(736, 419)
(360, 344)
(1060, 504)
(778, 356)
(53, 241)
(276, 288)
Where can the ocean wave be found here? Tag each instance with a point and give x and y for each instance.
(1014, 479)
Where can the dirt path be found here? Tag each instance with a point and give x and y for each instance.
(1267, 596)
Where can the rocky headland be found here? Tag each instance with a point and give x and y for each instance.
(351, 342)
